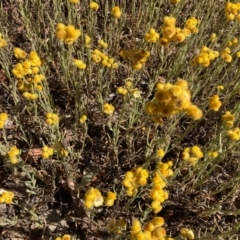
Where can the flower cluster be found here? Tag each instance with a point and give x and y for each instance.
(108, 108)
(80, 64)
(93, 6)
(187, 233)
(128, 89)
(233, 42)
(94, 198)
(205, 57)
(3, 119)
(74, 1)
(58, 147)
(6, 197)
(225, 55)
(152, 36)
(232, 11)
(170, 99)
(228, 118)
(83, 119)
(116, 12)
(165, 168)
(64, 237)
(134, 179)
(102, 44)
(100, 57)
(27, 72)
(116, 226)
(47, 152)
(192, 154)
(214, 103)
(234, 134)
(158, 194)
(67, 34)
(171, 33)
(3, 42)
(110, 198)
(137, 57)
(52, 118)
(213, 154)
(151, 230)
(13, 153)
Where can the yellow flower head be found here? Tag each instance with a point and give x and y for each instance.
(80, 64)
(108, 108)
(116, 11)
(93, 6)
(83, 119)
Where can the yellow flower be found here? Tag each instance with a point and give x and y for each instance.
(58, 238)
(67, 34)
(194, 112)
(152, 36)
(187, 233)
(93, 6)
(213, 37)
(213, 154)
(160, 153)
(102, 44)
(109, 200)
(123, 91)
(228, 118)
(220, 87)
(83, 119)
(52, 118)
(80, 64)
(214, 103)
(66, 237)
(116, 11)
(108, 108)
(74, 1)
(19, 53)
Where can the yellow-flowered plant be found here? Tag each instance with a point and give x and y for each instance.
(13, 154)
(93, 198)
(67, 34)
(137, 57)
(83, 119)
(108, 108)
(205, 57)
(214, 103)
(103, 44)
(87, 40)
(29, 80)
(110, 198)
(171, 33)
(64, 237)
(232, 11)
(6, 197)
(225, 55)
(52, 118)
(192, 154)
(151, 230)
(105, 60)
(151, 36)
(47, 152)
(234, 134)
(3, 119)
(80, 64)
(93, 6)
(134, 179)
(116, 12)
(187, 233)
(228, 118)
(74, 1)
(170, 99)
